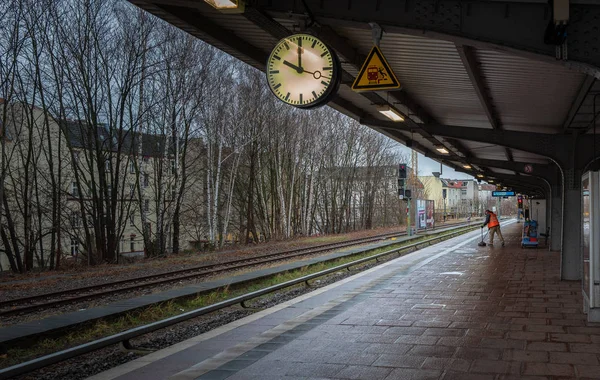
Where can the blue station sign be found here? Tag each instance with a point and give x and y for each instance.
(503, 193)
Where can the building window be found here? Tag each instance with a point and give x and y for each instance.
(74, 247)
(148, 228)
(76, 156)
(132, 243)
(131, 190)
(132, 219)
(74, 189)
(145, 160)
(107, 164)
(75, 219)
(173, 167)
(146, 205)
(146, 180)
(132, 167)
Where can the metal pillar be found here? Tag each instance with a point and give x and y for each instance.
(570, 268)
(548, 197)
(556, 214)
(499, 207)
(444, 216)
(408, 229)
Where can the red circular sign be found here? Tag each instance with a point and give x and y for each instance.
(528, 168)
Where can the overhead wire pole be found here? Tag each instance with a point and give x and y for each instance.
(408, 229)
(404, 193)
(415, 164)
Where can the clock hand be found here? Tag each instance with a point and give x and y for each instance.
(300, 70)
(300, 52)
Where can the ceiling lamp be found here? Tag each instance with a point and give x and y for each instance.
(467, 166)
(442, 149)
(390, 113)
(227, 5)
(480, 175)
(490, 180)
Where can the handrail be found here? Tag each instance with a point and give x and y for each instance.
(69, 353)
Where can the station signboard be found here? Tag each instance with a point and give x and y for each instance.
(503, 193)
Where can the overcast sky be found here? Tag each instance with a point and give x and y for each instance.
(427, 166)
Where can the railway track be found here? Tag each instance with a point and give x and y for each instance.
(64, 297)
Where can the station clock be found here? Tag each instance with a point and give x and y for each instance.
(303, 71)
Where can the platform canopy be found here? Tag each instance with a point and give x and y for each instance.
(483, 79)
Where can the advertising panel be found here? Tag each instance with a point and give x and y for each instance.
(430, 207)
(425, 214)
(421, 221)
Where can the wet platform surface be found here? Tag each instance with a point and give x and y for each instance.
(450, 311)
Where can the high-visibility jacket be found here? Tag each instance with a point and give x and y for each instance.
(493, 220)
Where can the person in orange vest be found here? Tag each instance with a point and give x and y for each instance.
(493, 224)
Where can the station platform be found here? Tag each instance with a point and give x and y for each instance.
(450, 311)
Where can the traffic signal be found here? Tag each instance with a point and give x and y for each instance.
(519, 202)
(400, 186)
(402, 171)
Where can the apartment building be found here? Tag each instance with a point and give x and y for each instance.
(462, 195)
(82, 189)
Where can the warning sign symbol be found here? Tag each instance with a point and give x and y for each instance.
(375, 74)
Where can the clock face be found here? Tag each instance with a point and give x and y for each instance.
(302, 71)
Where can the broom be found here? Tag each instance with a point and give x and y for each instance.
(482, 243)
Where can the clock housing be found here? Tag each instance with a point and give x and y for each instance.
(303, 71)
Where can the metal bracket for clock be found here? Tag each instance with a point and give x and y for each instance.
(376, 33)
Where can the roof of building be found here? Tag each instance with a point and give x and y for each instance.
(456, 183)
(80, 135)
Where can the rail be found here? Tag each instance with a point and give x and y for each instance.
(44, 361)
(63, 297)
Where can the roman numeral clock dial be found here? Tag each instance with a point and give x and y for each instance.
(302, 71)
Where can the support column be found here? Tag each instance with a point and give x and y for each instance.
(555, 214)
(570, 268)
(548, 196)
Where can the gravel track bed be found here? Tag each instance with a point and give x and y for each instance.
(102, 301)
(17, 286)
(102, 360)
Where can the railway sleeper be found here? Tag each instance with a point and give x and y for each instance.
(126, 346)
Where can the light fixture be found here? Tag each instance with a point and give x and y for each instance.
(227, 5)
(467, 166)
(442, 149)
(490, 180)
(390, 113)
(480, 175)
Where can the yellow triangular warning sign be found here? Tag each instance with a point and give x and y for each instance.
(375, 74)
